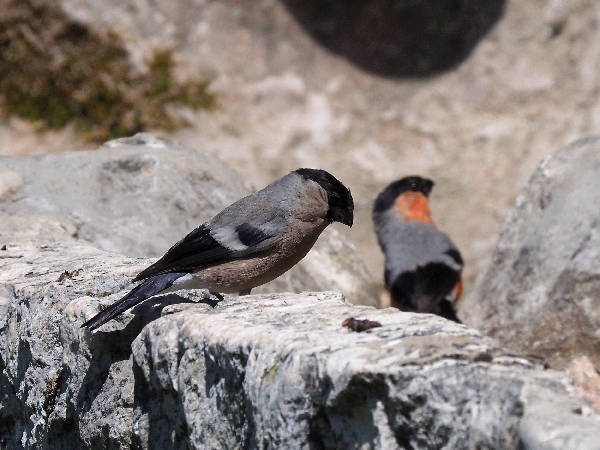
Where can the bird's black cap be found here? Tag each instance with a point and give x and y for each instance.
(339, 198)
(414, 183)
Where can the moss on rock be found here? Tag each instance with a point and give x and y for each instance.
(56, 71)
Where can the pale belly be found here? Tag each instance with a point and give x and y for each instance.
(245, 274)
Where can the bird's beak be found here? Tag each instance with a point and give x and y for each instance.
(345, 216)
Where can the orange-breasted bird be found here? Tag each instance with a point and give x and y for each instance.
(422, 265)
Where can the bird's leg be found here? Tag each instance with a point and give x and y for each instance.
(216, 294)
(246, 292)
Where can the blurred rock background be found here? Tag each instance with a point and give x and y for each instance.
(472, 94)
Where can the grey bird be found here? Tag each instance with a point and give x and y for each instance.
(249, 243)
(422, 265)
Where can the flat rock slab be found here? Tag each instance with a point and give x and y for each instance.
(281, 371)
(262, 371)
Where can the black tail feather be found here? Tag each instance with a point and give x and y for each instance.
(446, 310)
(138, 294)
(424, 290)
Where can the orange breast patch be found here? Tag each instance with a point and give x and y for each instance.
(414, 206)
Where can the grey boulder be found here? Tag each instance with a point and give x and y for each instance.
(541, 293)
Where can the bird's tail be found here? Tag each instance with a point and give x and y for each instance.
(141, 292)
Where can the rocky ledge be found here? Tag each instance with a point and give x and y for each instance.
(262, 371)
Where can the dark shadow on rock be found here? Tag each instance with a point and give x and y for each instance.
(109, 347)
(164, 411)
(9, 401)
(399, 38)
(224, 381)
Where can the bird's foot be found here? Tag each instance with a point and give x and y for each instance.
(216, 294)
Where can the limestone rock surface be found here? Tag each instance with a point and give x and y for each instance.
(541, 294)
(135, 196)
(263, 371)
(140, 195)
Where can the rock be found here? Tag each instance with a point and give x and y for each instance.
(140, 195)
(262, 371)
(136, 196)
(540, 294)
(32, 226)
(9, 182)
(586, 379)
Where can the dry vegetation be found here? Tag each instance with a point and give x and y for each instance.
(55, 71)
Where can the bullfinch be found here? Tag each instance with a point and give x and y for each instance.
(249, 243)
(422, 265)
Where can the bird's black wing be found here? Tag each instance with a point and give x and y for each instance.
(423, 289)
(206, 247)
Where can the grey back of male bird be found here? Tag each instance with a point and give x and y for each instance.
(413, 244)
(422, 264)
